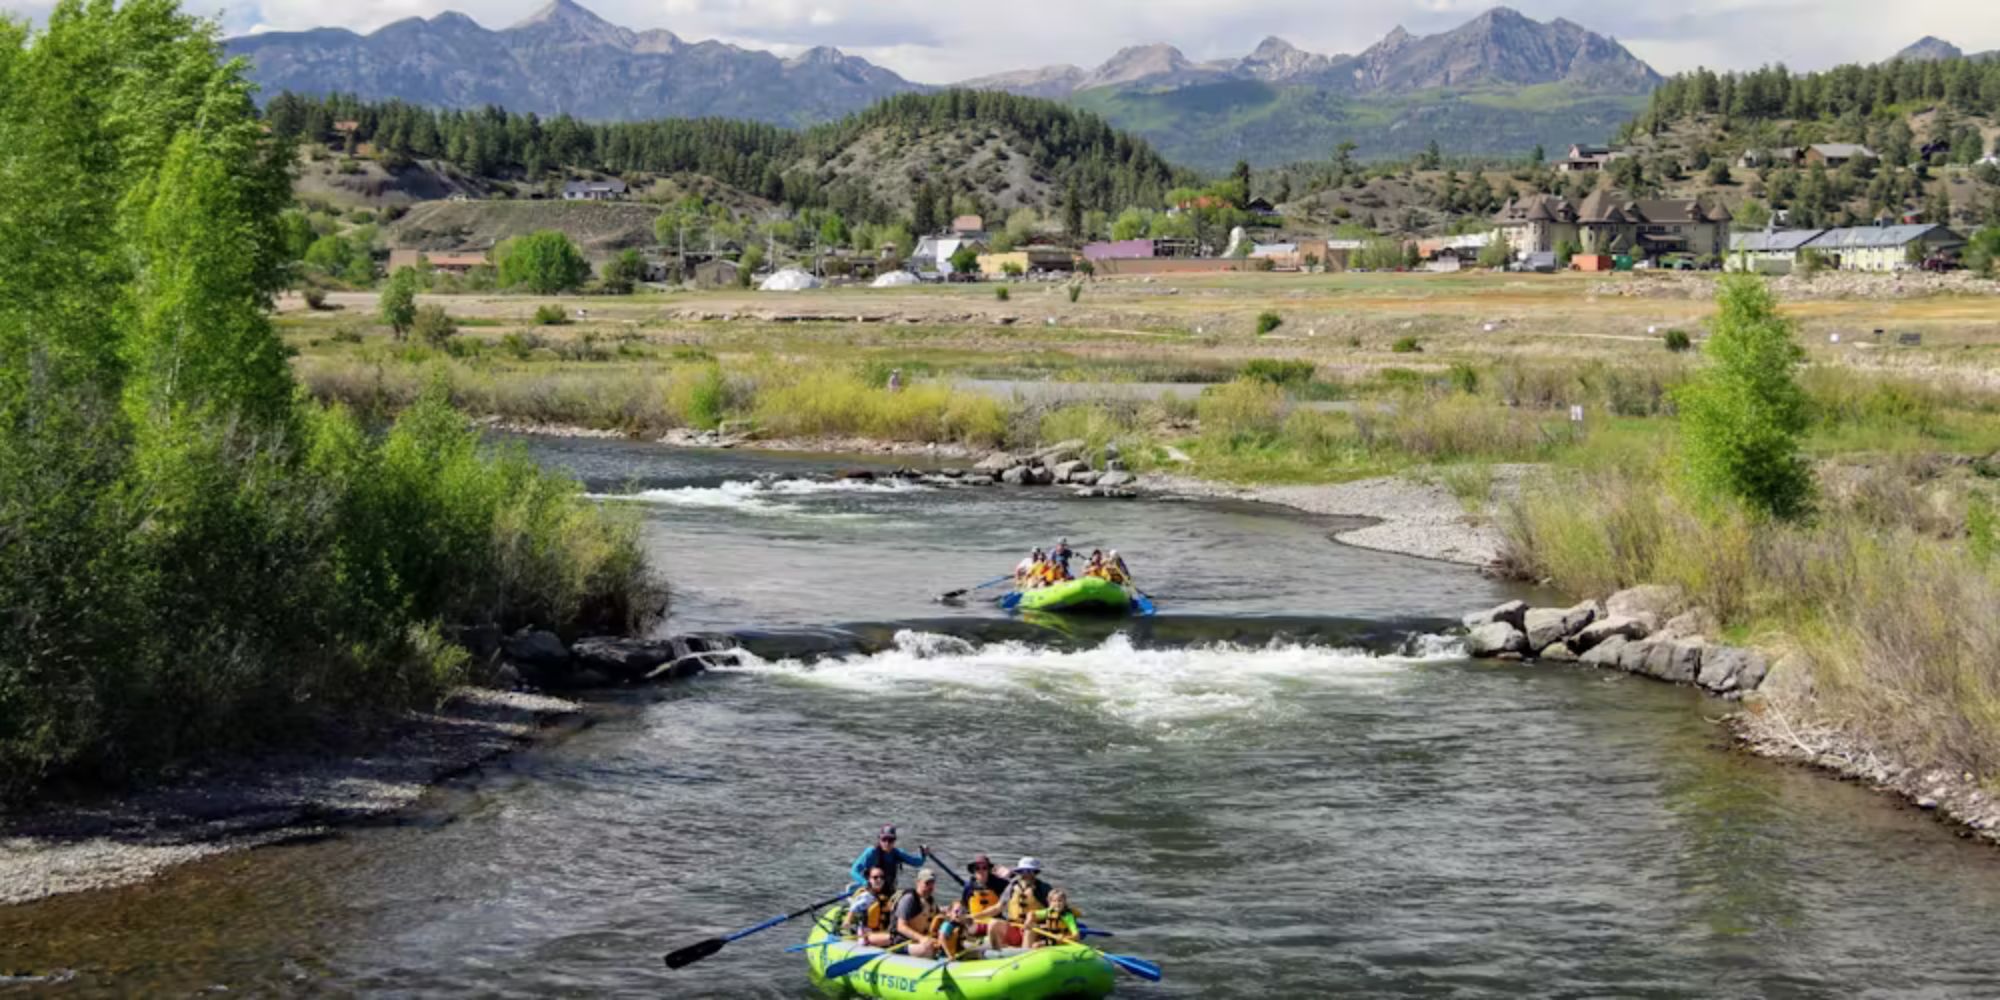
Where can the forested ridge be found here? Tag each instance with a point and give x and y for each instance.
(1073, 150)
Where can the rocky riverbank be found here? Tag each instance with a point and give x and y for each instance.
(1652, 632)
(103, 842)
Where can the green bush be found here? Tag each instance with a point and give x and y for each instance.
(1743, 416)
(1407, 345)
(1678, 341)
(551, 315)
(434, 326)
(1279, 371)
(1243, 412)
(1075, 292)
(315, 298)
(1268, 321)
(544, 263)
(1000, 293)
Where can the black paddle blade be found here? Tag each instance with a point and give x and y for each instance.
(694, 953)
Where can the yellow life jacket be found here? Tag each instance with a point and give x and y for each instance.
(953, 933)
(978, 901)
(879, 915)
(926, 918)
(1062, 925)
(1021, 906)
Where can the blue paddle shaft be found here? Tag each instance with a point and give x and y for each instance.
(775, 921)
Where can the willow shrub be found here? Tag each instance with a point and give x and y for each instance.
(796, 402)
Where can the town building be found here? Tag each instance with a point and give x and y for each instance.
(1606, 223)
(1885, 248)
(604, 190)
(447, 262)
(1834, 155)
(1584, 159)
(1772, 252)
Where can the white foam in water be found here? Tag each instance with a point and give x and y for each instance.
(754, 496)
(1159, 690)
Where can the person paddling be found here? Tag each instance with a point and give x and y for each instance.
(1061, 555)
(1055, 923)
(884, 854)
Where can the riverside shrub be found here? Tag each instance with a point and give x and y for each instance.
(190, 558)
(1742, 418)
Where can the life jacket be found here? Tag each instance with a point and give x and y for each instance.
(979, 900)
(953, 933)
(1021, 906)
(926, 917)
(879, 915)
(1062, 925)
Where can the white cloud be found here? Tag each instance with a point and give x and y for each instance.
(936, 42)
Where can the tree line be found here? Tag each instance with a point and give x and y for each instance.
(1847, 95)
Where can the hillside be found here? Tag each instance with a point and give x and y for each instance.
(989, 150)
(600, 229)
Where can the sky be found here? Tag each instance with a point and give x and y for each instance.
(930, 41)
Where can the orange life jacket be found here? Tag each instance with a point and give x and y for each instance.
(1062, 925)
(978, 901)
(879, 915)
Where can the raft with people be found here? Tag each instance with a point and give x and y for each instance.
(1042, 582)
(1006, 934)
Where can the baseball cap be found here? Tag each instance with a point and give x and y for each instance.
(926, 876)
(888, 830)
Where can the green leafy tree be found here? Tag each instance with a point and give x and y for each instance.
(748, 265)
(1743, 417)
(1567, 248)
(624, 272)
(434, 326)
(1982, 252)
(398, 305)
(1494, 254)
(544, 263)
(965, 260)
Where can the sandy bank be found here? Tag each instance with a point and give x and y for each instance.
(121, 840)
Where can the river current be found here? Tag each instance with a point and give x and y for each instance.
(1284, 786)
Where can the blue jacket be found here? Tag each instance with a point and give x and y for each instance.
(889, 861)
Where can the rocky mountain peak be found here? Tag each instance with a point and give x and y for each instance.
(567, 21)
(1930, 48)
(1140, 62)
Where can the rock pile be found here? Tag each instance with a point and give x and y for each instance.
(541, 659)
(1065, 464)
(1624, 632)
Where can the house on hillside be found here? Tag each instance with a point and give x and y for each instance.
(605, 190)
(1834, 155)
(1777, 156)
(450, 262)
(717, 273)
(1262, 208)
(1772, 252)
(1885, 248)
(1465, 247)
(1608, 223)
(968, 227)
(933, 253)
(1589, 159)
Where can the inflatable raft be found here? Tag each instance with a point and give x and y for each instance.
(1083, 594)
(1059, 972)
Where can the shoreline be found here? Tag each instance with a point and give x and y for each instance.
(116, 839)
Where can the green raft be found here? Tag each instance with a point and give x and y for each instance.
(1085, 593)
(1059, 972)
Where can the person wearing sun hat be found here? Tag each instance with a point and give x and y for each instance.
(1026, 894)
(982, 891)
(884, 854)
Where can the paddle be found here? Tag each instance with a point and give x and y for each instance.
(1009, 602)
(954, 595)
(1143, 601)
(948, 868)
(1136, 966)
(702, 949)
(848, 965)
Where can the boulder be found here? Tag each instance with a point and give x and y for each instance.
(1015, 476)
(997, 462)
(1607, 653)
(536, 650)
(1548, 626)
(1086, 478)
(1639, 602)
(1598, 632)
(1494, 638)
(1512, 613)
(1751, 677)
(621, 659)
(1693, 624)
(1064, 452)
(1722, 668)
(1116, 478)
(1114, 465)
(1558, 652)
(1111, 453)
(1066, 472)
(1041, 475)
(1665, 659)
(482, 641)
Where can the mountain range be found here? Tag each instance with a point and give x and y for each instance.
(1500, 83)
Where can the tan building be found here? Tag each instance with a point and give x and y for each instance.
(1605, 223)
(453, 262)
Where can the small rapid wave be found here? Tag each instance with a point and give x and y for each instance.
(1189, 692)
(759, 496)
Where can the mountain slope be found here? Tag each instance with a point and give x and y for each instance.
(565, 59)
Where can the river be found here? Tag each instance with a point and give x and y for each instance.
(1279, 788)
